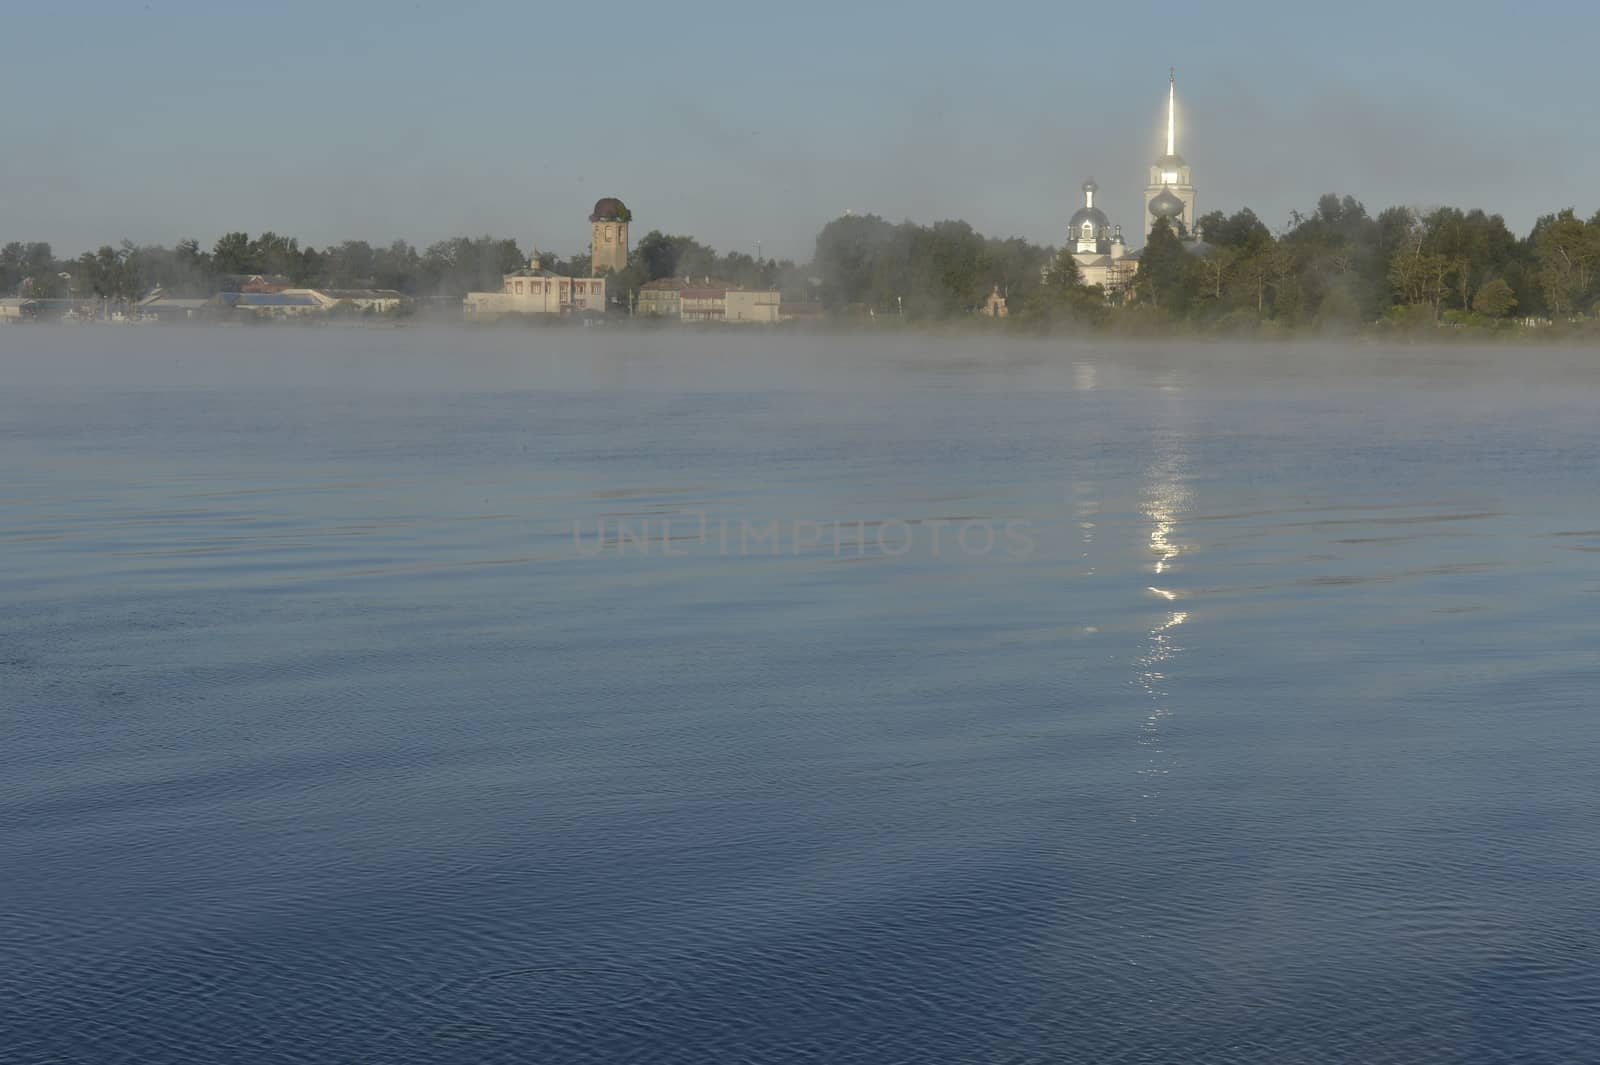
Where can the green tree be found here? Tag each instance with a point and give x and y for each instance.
(1337, 252)
(1253, 273)
(398, 267)
(667, 255)
(1478, 245)
(1237, 231)
(1015, 265)
(1061, 299)
(1494, 299)
(349, 264)
(279, 256)
(449, 269)
(1421, 278)
(1163, 270)
(846, 256)
(232, 254)
(190, 271)
(1214, 269)
(581, 265)
(1418, 275)
(106, 273)
(1566, 249)
(22, 264)
(1340, 309)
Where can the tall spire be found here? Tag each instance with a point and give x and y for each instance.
(1172, 97)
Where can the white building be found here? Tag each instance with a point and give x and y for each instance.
(759, 305)
(167, 308)
(1096, 245)
(377, 300)
(708, 301)
(1170, 194)
(536, 291)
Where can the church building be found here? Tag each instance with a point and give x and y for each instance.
(1170, 194)
(1096, 245)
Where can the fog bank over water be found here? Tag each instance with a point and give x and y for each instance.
(448, 359)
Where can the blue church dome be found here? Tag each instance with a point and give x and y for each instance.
(1093, 215)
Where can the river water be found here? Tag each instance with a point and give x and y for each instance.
(574, 697)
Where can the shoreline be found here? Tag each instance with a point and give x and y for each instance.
(1583, 332)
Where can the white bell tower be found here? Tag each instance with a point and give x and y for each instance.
(1170, 193)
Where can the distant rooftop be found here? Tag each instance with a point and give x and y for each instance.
(174, 302)
(265, 299)
(682, 284)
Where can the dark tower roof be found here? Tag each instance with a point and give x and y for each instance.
(609, 209)
(1166, 205)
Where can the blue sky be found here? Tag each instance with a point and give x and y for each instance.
(170, 118)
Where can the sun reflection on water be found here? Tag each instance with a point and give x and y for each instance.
(1166, 497)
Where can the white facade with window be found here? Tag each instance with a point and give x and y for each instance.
(533, 291)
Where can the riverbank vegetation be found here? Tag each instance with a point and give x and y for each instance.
(1337, 269)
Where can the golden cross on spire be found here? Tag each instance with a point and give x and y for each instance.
(1172, 94)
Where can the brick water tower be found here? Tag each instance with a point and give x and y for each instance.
(608, 236)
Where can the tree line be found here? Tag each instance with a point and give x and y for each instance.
(1336, 267)
(1339, 266)
(444, 270)
(129, 271)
